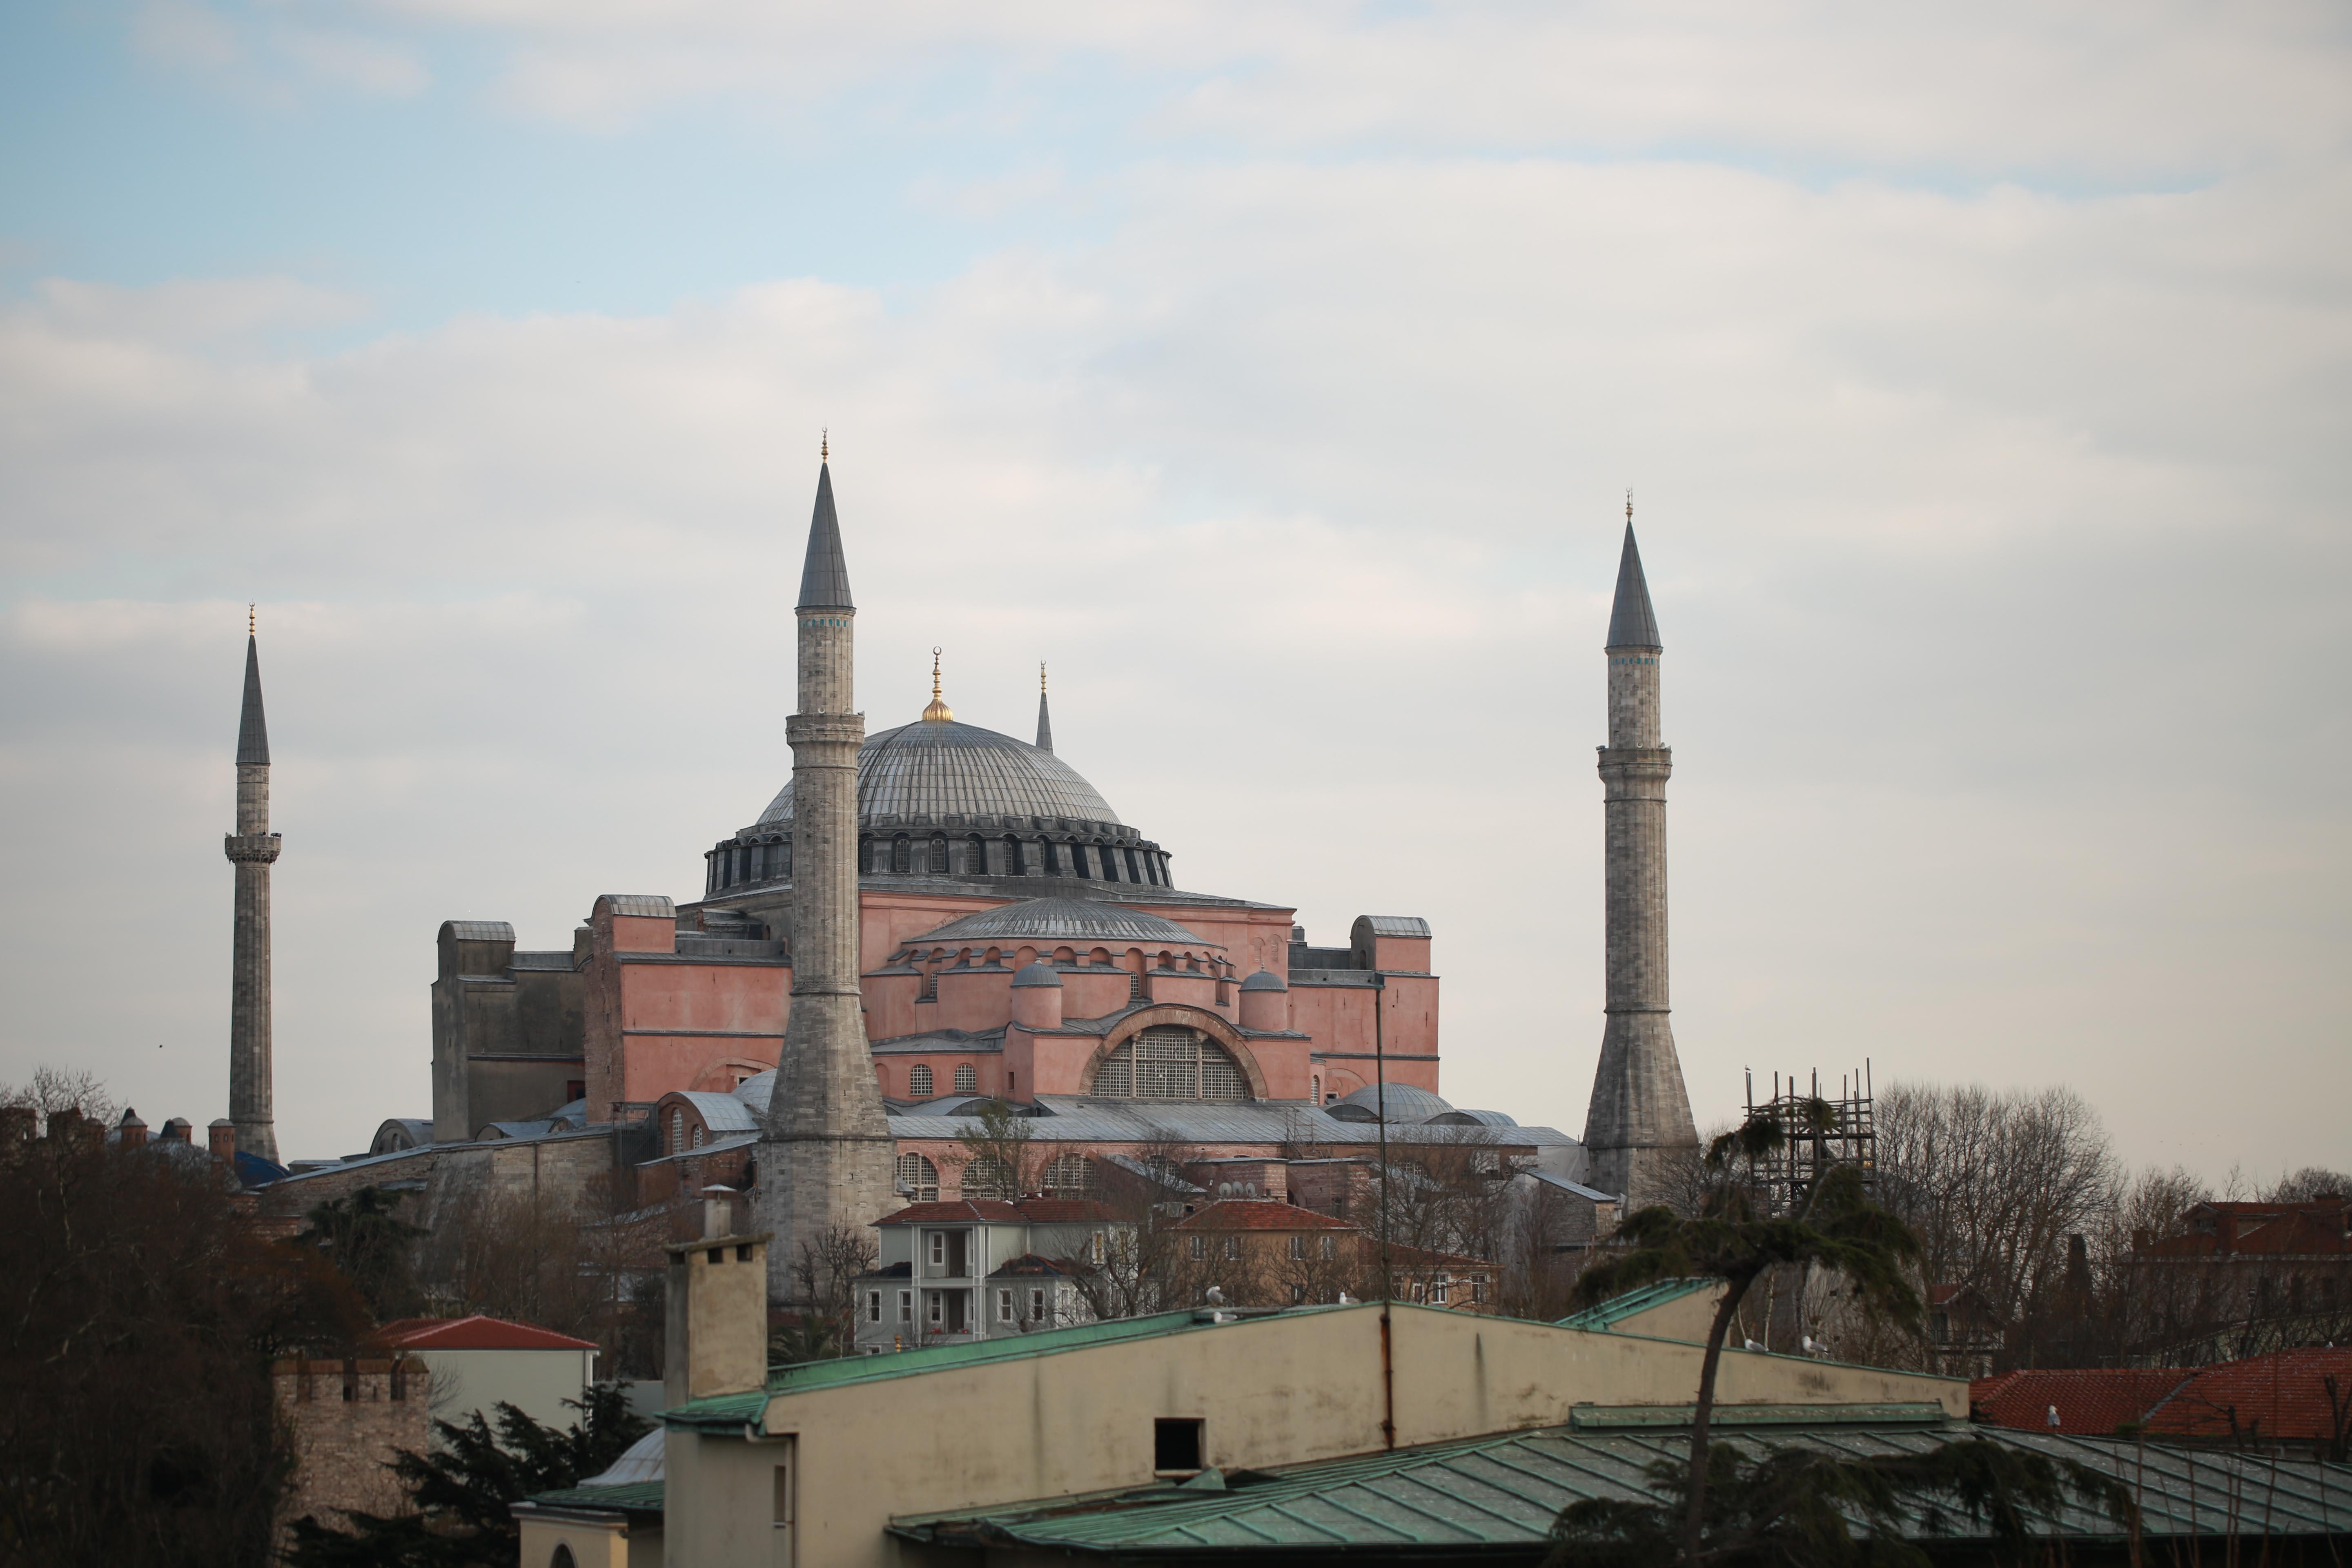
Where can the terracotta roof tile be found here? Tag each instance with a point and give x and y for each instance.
(1258, 1214)
(475, 1334)
(2092, 1402)
(2282, 1394)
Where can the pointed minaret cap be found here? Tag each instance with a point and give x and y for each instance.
(1044, 718)
(824, 579)
(1631, 623)
(252, 731)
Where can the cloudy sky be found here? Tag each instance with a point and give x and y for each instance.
(1983, 373)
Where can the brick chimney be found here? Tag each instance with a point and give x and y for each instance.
(174, 1130)
(718, 1317)
(130, 1132)
(64, 1125)
(221, 1139)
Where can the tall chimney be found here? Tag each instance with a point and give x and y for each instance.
(717, 1334)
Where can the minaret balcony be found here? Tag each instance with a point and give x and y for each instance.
(252, 848)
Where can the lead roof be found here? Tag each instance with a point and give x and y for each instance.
(825, 576)
(252, 731)
(1631, 623)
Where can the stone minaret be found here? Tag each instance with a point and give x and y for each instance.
(826, 1154)
(1044, 720)
(1641, 1118)
(251, 848)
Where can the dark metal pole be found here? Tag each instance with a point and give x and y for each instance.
(1388, 1275)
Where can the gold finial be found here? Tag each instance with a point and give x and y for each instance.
(1041, 677)
(823, 444)
(248, 620)
(938, 712)
(1629, 507)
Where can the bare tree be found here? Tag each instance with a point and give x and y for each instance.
(1001, 1155)
(826, 1270)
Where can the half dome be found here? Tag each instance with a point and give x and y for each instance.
(1061, 921)
(936, 769)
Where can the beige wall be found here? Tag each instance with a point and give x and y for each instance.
(1270, 1391)
(1687, 1317)
(596, 1544)
(537, 1382)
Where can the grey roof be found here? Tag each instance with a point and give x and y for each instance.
(252, 732)
(555, 958)
(1065, 1118)
(720, 1112)
(1060, 920)
(1472, 1118)
(653, 906)
(1631, 623)
(1264, 980)
(1403, 1103)
(941, 768)
(478, 931)
(1034, 973)
(1578, 1188)
(824, 577)
(1393, 925)
(640, 1461)
(725, 1144)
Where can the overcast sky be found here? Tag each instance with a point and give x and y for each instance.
(1983, 374)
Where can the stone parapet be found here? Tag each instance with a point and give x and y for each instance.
(252, 848)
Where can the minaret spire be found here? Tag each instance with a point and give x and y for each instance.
(825, 1150)
(1044, 718)
(1640, 1119)
(252, 849)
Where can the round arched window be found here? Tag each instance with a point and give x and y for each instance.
(1171, 1063)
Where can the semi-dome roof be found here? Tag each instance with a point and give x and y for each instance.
(938, 768)
(1061, 919)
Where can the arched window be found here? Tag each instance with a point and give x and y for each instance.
(966, 1078)
(1050, 854)
(902, 854)
(868, 855)
(917, 1179)
(698, 1138)
(1016, 863)
(938, 855)
(975, 858)
(562, 1558)
(676, 1128)
(1070, 1176)
(1171, 1063)
(918, 1081)
(986, 1176)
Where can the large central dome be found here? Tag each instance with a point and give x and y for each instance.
(935, 771)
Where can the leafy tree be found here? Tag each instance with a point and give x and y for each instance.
(364, 1237)
(1833, 1227)
(139, 1314)
(1800, 1506)
(464, 1490)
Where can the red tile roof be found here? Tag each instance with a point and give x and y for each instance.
(998, 1211)
(2321, 1227)
(2282, 1394)
(1258, 1214)
(2092, 1402)
(475, 1334)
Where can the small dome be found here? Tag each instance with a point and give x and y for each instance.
(1471, 1118)
(1404, 1104)
(1264, 980)
(1037, 975)
(1047, 920)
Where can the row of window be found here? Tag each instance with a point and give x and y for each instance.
(733, 865)
(1064, 1177)
(921, 1085)
(1230, 1250)
(1171, 1063)
(1007, 1303)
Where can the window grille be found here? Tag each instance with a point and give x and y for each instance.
(987, 1177)
(966, 1078)
(1171, 1063)
(902, 854)
(940, 856)
(1070, 1175)
(918, 1179)
(698, 1138)
(918, 1081)
(676, 1130)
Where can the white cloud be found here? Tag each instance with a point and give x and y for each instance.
(1958, 507)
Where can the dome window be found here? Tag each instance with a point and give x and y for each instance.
(918, 1081)
(967, 1079)
(902, 854)
(938, 855)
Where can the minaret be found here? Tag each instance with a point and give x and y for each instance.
(1640, 1116)
(825, 1154)
(251, 848)
(1044, 720)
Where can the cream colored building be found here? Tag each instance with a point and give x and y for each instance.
(807, 1466)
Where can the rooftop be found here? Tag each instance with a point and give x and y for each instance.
(473, 1334)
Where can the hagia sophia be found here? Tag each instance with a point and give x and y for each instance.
(940, 918)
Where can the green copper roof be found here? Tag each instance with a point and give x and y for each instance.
(637, 1497)
(732, 1410)
(1617, 1308)
(1502, 1493)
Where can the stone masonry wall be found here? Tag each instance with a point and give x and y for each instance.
(347, 1418)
